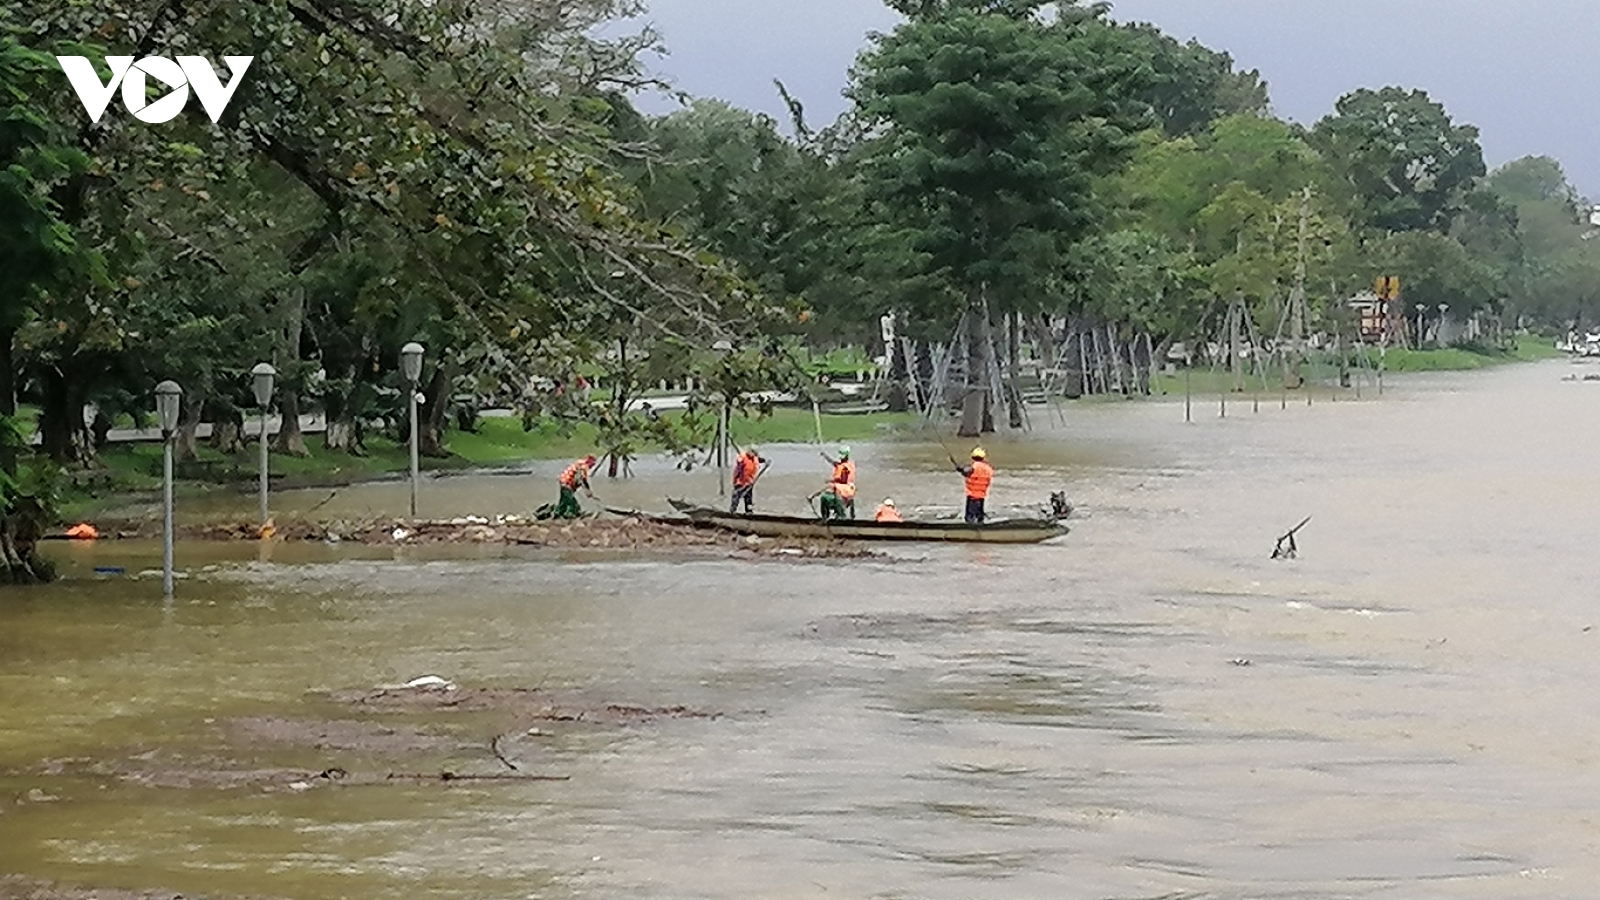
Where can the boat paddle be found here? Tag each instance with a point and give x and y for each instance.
(949, 454)
(762, 471)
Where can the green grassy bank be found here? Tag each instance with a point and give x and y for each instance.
(1322, 369)
(136, 467)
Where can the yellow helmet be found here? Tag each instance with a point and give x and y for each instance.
(977, 453)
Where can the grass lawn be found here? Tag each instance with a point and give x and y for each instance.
(136, 467)
(1322, 369)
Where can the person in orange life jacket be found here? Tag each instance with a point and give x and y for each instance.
(746, 469)
(979, 476)
(841, 485)
(576, 476)
(888, 513)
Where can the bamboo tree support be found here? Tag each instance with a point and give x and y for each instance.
(1188, 394)
(1106, 368)
(1236, 316)
(1097, 383)
(1115, 352)
(1149, 364)
(1084, 364)
(1219, 359)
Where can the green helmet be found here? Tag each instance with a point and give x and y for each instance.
(844, 451)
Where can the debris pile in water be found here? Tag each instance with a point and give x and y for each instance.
(621, 534)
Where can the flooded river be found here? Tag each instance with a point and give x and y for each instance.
(1148, 708)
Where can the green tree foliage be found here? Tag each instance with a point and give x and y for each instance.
(1406, 165)
(451, 163)
(1554, 263)
(39, 254)
(1192, 85)
(989, 133)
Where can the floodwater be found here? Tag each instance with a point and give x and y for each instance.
(1148, 708)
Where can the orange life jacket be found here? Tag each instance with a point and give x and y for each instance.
(888, 514)
(844, 490)
(978, 482)
(745, 469)
(576, 474)
(844, 472)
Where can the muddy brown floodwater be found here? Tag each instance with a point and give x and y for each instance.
(1148, 708)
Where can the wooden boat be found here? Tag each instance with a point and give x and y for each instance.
(1005, 531)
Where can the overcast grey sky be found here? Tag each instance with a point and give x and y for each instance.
(1523, 71)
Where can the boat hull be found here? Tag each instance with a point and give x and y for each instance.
(1002, 532)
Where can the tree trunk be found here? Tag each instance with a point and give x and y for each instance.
(899, 399)
(344, 435)
(290, 440)
(8, 397)
(1077, 374)
(227, 429)
(21, 527)
(991, 366)
(1014, 367)
(974, 400)
(435, 412)
(186, 444)
(62, 432)
(923, 375)
(1236, 342)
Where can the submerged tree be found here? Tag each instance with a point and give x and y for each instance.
(987, 130)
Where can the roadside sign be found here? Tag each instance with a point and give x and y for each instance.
(1387, 287)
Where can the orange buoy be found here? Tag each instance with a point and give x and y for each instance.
(83, 531)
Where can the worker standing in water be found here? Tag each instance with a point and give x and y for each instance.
(887, 512)
(979, 476)
(842, 484)
(746, 469)
(576, 476)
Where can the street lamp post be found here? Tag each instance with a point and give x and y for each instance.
(262, 377)
(411, 368)
(722, 349)
(168, 404)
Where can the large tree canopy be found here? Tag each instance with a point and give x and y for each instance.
(987, 133)
(1406, 164)
(455, 159)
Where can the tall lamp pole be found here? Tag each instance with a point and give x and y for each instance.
(168, 404)
(722, 349)
(261, 383)
(411, 368)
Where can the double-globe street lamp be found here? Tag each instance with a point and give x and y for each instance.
(169, 401)
(411, 368)
(262, 377)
